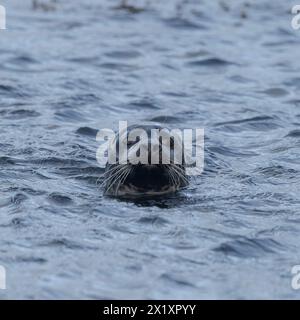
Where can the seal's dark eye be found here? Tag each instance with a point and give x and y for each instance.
(130, 143)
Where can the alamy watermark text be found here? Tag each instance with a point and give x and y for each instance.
(2, 278)
(2, 18)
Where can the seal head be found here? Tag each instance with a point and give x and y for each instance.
(146, 172)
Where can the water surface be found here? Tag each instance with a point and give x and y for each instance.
(231, 69)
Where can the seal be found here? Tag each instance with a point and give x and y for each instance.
(144, 176)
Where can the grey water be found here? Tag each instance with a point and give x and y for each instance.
(230, 67)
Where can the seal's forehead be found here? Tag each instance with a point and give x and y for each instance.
(147, 128)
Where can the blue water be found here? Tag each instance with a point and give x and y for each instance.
(229, 67)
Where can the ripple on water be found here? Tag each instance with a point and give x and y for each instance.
(87, 131)
(13, 91)
(146, 103)
(249, 247)
(70, 116)
(276, 92)
(21, 114)
(17, 223)
(295, 102)
(165, 119)
(174, 280)
(66, 243)
(60, 199)
(23, 59)
(22, 64)
(154, 220)
(30, 259)
(276, 171)
(124, 54)
(294, 134)
(125, 67)
(181, 23)
(232, 152)
(4, 161)
(59, 162)
(210, 63)
(258, 123)
(19, 198)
